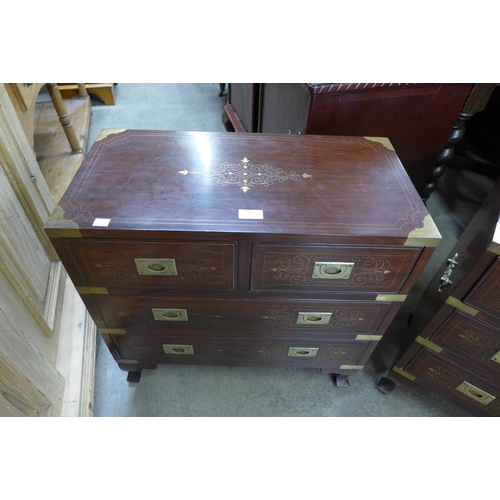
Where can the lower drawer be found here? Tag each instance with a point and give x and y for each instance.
(338, 356)
(471, 392)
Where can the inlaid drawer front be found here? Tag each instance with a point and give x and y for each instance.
(152, 264)
(334, 268)
(471, 339)
(160, 313)
(436, 373)
(486, 294)
(252, 350)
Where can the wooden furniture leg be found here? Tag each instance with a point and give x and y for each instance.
(340, 380)
(57, 100)
(385, 385)
(82, 90)
(135, 371)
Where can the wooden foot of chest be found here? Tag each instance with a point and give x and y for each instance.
(135, 371)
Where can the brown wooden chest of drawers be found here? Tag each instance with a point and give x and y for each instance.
(456, 351)
(242, 249)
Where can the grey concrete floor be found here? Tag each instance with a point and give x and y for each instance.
(208, 391)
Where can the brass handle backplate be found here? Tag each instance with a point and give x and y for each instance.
(496, 357)
(156, 267)
(178, 349)
(332, 270)
(313, 318)
(303, 352)
(170, 314)
(475, 393)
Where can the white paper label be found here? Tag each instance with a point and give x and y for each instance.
(101, 222)
(250, 214)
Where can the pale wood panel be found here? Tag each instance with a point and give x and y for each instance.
(18, 160)
(18, 396)
(23, 97)
(37, 334)
(76, 356)
(29, 367)
(20, 247)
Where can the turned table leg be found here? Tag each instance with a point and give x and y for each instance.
(57, 100)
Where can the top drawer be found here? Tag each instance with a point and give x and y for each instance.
(486, 295)
(153, 264)
(335, 268)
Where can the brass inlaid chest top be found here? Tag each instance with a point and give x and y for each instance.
(200, 181)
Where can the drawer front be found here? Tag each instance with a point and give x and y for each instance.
(332, 268)
(475, 341)
(244, 350)
(152, 264)
(437, 374)
(166, 314)
(486, 294)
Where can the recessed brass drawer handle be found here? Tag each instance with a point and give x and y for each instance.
(303, 352)
(156, 267)
(178, 349)
(475, 393)
(170, 314)
(332, 270)
(313, 318)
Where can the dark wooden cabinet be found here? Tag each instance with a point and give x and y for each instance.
(456, 351)
(242, 249)
(418, 119)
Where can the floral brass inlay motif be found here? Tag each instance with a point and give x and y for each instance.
(246, 174)
(367, 270)
(477, 344)
(444, 376)
(328, 352)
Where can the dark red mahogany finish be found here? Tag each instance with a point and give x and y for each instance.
(244, 223)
